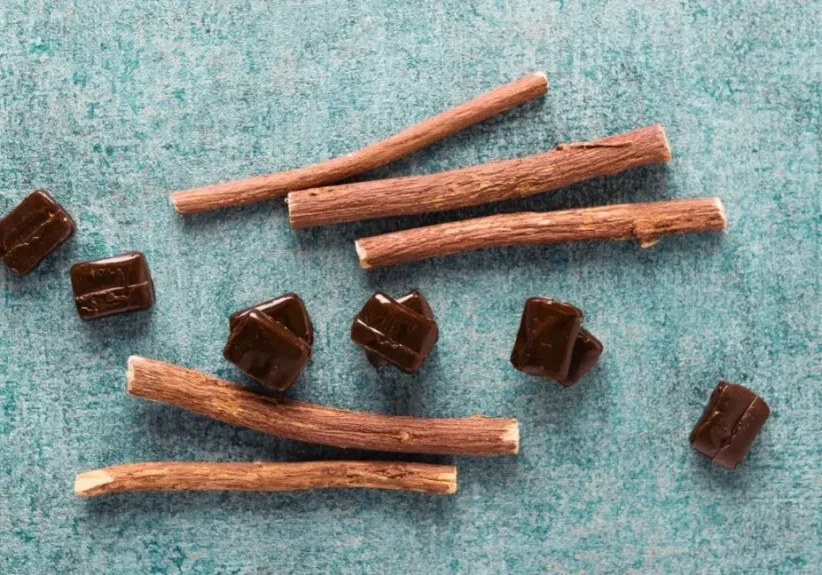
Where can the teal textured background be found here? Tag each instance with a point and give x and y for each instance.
(114, 104)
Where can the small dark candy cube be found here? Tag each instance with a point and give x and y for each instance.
(287, 310)
(547, 335)
(587, 350)
(414, 301)
(112, 286)
(729, 424)
(395, 332)
(266, 350)
(33, 230)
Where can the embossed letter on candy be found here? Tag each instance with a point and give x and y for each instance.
(112, 285)
(731, 420)
(394, 332)
(33, 230)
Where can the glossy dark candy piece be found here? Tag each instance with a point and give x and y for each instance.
(401, 336)
(414, 301)
(32, 230)
(266, 350)
(288, 310)
(112, 286)
(729, 424)
(547, 334)
(585, 354)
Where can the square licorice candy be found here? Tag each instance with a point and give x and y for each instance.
(112, 286)
(287, 310)
(729, 424)
(32, 230)
(266, 350)
(395, 332)
(414, 301)
(585, 354)
(547, 335)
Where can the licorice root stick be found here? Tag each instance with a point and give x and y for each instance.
(229, 403)
(263, 476)
(261, 188)
(564, 165)
(646, 223)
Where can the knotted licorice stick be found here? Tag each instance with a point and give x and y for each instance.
(263, 476)
(564, 165)
(260, 188)
(229, 403)
(646, 223)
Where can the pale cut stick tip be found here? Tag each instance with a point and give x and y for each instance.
(175, 202)
(450, 479)
(362, 255)
(512, 434)
(721, 209)
(130, 369)
(89, 481)
(543, 76)
(661, 129)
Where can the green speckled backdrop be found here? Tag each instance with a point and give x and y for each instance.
(114, 104)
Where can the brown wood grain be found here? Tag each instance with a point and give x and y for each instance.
(265, 476)
(261, 188)
(224, 401)
(646, 223)
(509, 179)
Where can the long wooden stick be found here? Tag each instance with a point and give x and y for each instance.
(218, 399)
(259, 476)
(646, 223)
(565, 165)
(261, 188)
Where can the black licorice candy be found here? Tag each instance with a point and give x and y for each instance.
(729, 424)
(395, 332)
(32, 230)
(552, 343)
(112, 286)
(585, 354)
(545, 341)
(288, 310)
(414, 301)
(266, 350)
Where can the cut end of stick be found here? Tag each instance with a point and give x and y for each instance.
(512, 434)
(450, 480)
(86, 483)
(178, 202)
(721, 209)
(544, 78)
(666, 145)
(362, 254)
(130, 370)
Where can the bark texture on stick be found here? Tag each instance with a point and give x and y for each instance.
(646, 223)
(224, 401)
(261, 188)
(263, 476)
(565, 165)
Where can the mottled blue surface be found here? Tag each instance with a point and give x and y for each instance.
(114, 104)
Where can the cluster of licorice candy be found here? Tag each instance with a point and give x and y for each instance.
(38, 225)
